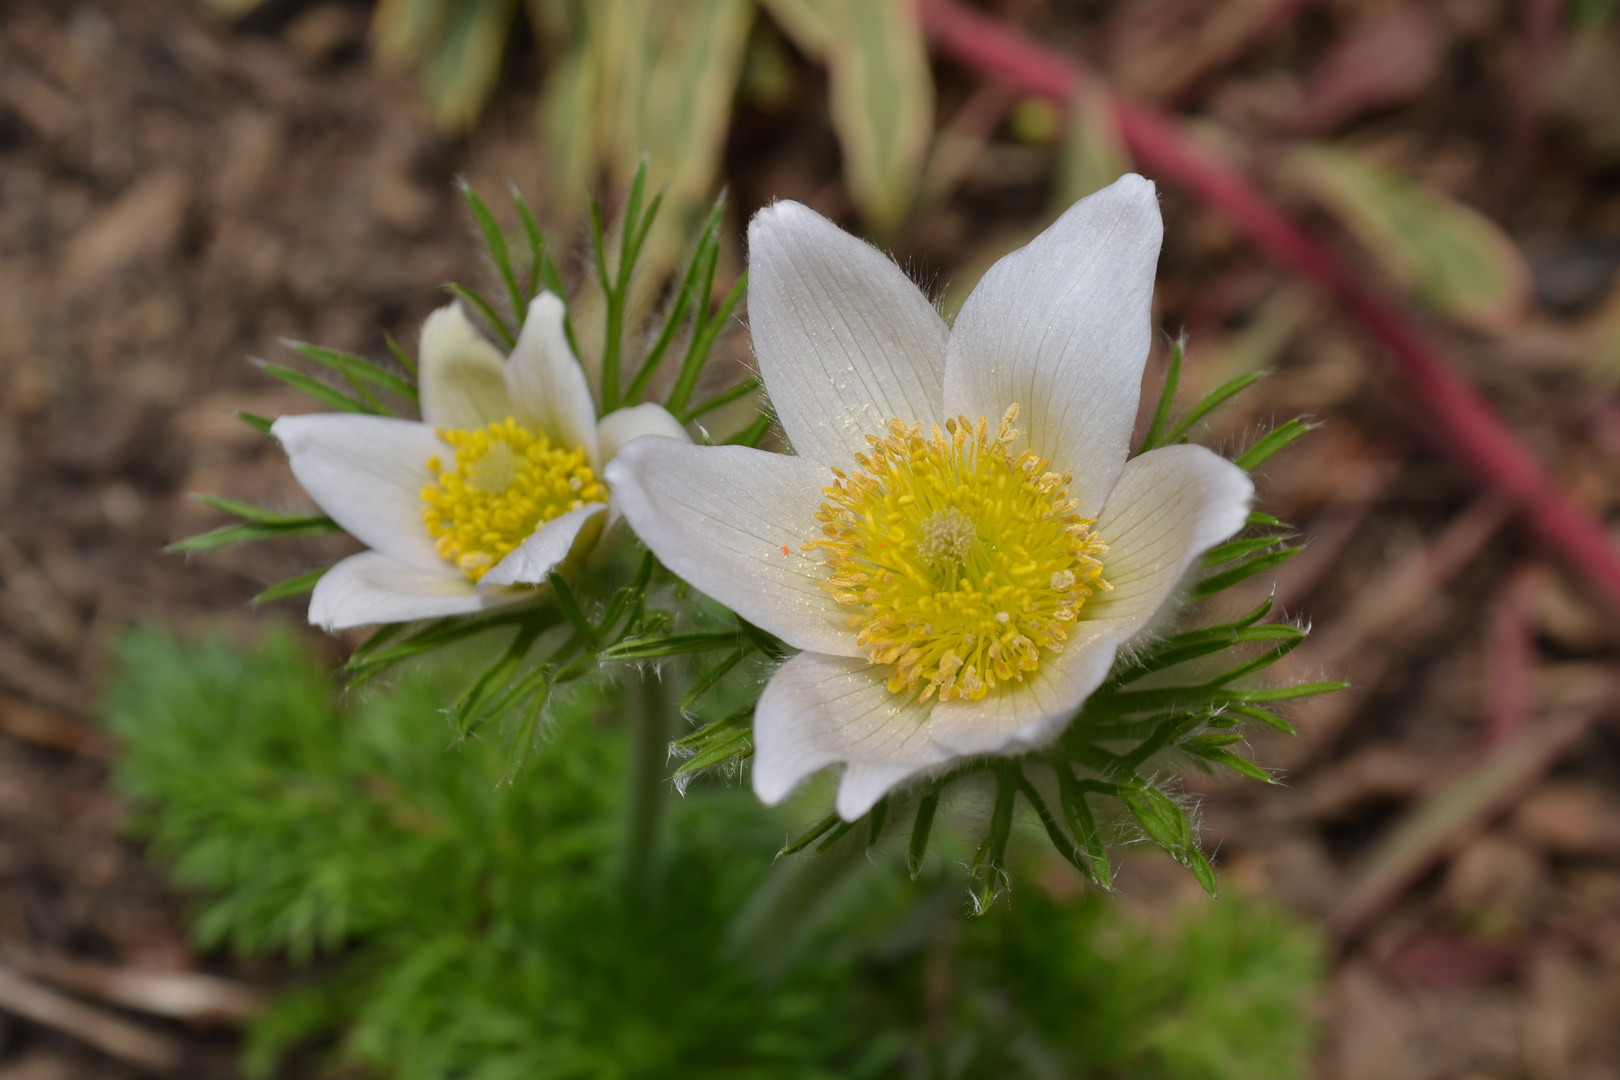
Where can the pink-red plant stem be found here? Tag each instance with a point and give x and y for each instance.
(1459, 419)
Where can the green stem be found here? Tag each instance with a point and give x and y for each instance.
(644, 804)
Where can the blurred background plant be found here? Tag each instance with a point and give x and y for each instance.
(658, 77)
(478, 929)
(628, 78)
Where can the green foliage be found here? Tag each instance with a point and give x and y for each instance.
(1593, 12)
(1221, 1002)
(257, 524)
(493, 941)
(475, 929)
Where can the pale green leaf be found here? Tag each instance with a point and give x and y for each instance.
(882, 101)
(646, 77)
(1452, 257)
(233, 9)
(1094, 153)
(456, 47)
(804, 22)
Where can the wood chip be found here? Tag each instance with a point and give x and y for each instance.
(177, 995)
(90, 1025)
(1446, 822)
(50, 729)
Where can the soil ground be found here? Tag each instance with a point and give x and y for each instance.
(176, 195)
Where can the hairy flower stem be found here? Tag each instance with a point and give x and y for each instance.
(648, 712)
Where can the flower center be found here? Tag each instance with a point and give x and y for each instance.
(505, 482)
(963, 563)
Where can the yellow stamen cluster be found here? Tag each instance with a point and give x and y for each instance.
(505, 482)
(964, 562)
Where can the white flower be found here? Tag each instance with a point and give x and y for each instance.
(960, 546)
(495, 486)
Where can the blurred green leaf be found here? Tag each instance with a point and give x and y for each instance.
(456, 47)
(1453, 257)
(882, 100)
(882, 93)
(295, 586)
(233, 9)
(313, 525)
(1593, 12)
(805, 21)
(653, 77)
(1094, 153)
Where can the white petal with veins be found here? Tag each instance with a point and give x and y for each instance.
(367, 473)
(818, 710)
(550, 544)
(370, 588)
(1170, 506)
(618, 428)
(844, 339)
(1030, 714)
(462, 383)
(1061, 327)
(730, 520)
(547, 386)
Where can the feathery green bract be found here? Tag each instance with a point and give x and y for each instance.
(754, 432)
(615, 283)
(726, 397)
(486, 309)
(1211, 401)
(252, 420)
(496, 243)
(686, 300)
(261, 524)
(648, 648)
(1167, 397)
(1272, 442)
(294, 586)
(357, 366)
(316, 389)
(313, 524)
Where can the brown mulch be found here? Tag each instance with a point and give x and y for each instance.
(179, 194)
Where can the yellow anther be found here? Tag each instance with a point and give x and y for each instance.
(972, 560)
(506, 481)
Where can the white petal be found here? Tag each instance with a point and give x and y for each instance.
(865, 782)
(550, 544)
(844, 339)
(1020, 716)
(818, 710)
(730, 520)
(618, 428)
(547, 386)
(367, 473)
(462, 382)
(368, 589)
(1061, 328)
(1170, 506)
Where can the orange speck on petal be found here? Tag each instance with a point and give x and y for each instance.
(784, 549)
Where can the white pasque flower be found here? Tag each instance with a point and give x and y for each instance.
(487, 493)
(960, 546)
